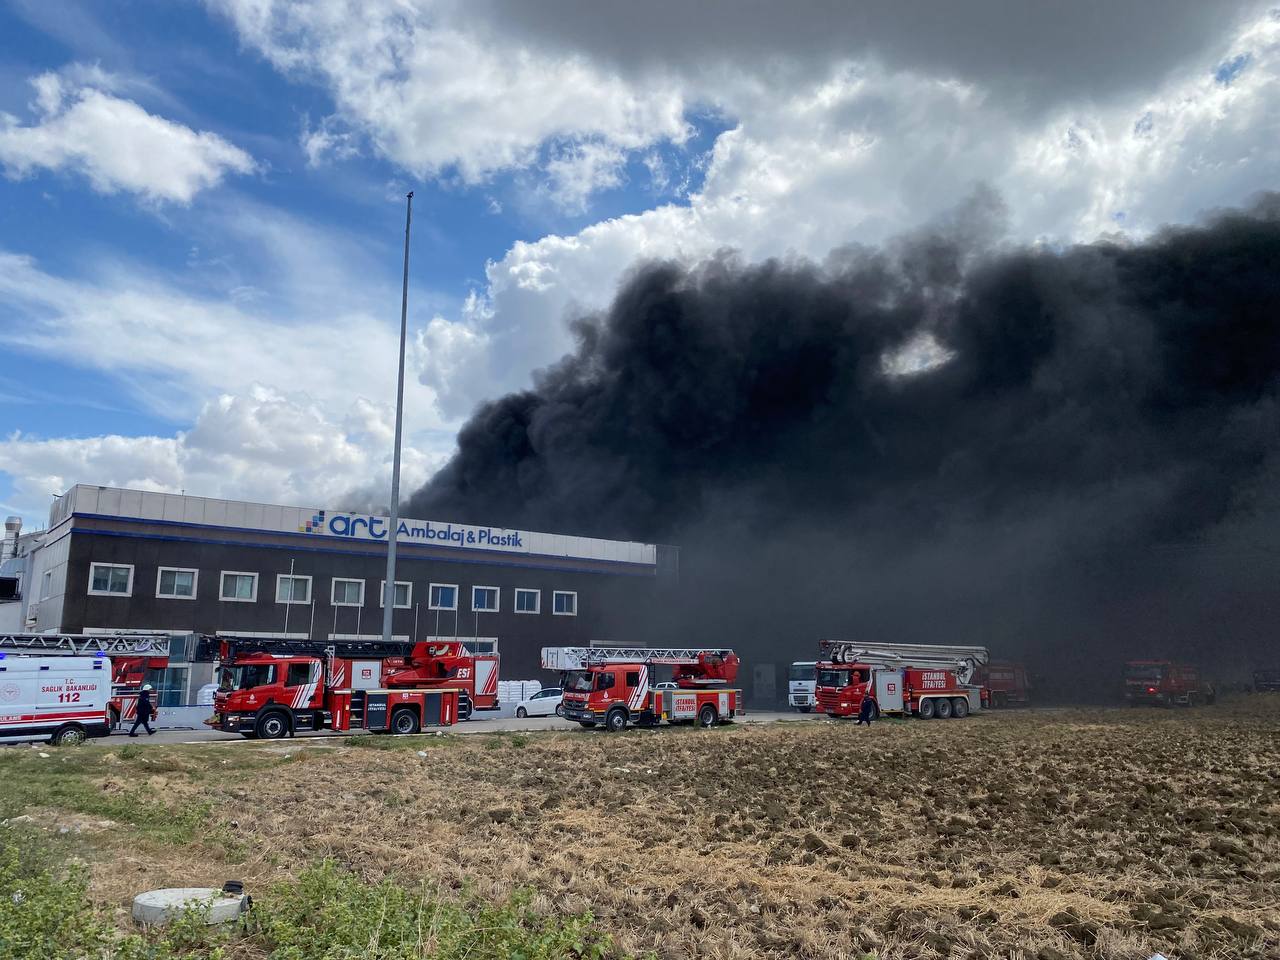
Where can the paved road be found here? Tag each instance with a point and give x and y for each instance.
(498, 722)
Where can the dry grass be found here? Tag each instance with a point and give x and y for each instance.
(1051, 834)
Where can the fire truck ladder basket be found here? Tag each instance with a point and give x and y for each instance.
(86, 645)
(578, 658)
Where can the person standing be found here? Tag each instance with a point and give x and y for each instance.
(866, 713)
(146, 710)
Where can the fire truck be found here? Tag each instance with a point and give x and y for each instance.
(273, 688)
(922, 680)
(1006, 683)
(1165, 683)
(614, 685)
(103, 678)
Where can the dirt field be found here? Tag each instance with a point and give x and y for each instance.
(1047, 834)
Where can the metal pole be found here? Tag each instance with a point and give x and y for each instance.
(389, 590)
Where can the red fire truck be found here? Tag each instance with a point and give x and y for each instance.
(614, 685)
(132, 655)
(1165, 683)
(923, 680)
(1006, 682)
(274, 688)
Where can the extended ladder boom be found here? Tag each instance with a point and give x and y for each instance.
(579, 658)
(78, 644)
(963, 661)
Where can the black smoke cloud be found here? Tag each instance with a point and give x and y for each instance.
(1066, 454)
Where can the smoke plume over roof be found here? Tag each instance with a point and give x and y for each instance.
(1062, 453)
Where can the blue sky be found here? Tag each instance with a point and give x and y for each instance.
(201, 203)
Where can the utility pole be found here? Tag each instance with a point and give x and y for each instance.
(389, 591)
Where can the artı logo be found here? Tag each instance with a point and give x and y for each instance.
(313, 525)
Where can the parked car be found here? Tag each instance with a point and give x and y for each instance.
(542, 704)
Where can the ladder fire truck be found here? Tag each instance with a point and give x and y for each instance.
(613, 685)
(923, 680)
(272, 688)
(129, 655)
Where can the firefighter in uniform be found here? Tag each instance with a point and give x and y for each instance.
(866, 712)
(146, 710)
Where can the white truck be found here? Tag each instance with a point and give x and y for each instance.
(802, 686)
(60, 699)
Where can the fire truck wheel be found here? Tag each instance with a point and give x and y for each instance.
(521, 712)
(272, 726)
(615, 720)
(944, 709)
(927, 709)
(404, 721)
(707, 716)
(959, 708)
(68, 736)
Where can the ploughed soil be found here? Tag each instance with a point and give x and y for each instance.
(1039, 834)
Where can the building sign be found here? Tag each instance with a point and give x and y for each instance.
(170, 508)
(358, 526)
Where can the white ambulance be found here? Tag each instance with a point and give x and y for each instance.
(59, 699)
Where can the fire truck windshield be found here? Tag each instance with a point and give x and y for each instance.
(248, 675)
(1144, 671)
(579, 681)
(833, 678)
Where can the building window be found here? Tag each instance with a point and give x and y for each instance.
(443, 596)
(348, 593)
(238, 587)
(564, 603)
(485, 599)
(528, 601)
(404, 595)
(176, 583)
(110, 580)
(170, 686)
(291, 589)
(46, 586)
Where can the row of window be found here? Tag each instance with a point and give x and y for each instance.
(180, 583)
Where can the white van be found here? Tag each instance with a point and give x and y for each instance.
(59, 699)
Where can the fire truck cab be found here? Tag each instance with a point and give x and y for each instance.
(613, 686)
(923, 680)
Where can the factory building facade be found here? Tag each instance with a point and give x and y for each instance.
(116, 559)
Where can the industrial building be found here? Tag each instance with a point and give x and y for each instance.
(114, 559)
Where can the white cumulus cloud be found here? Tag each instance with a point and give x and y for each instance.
(82, 127)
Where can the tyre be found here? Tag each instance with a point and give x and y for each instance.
(465, 707)
(944, 709)
(615, 720)
(927, 709)
(521, 712)
(113, 718)
(875, 711)
(68, 736)
(586, 723)
(959, 708)
(405, 721)
(559, 709)
(707, 716)
(272, 726)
